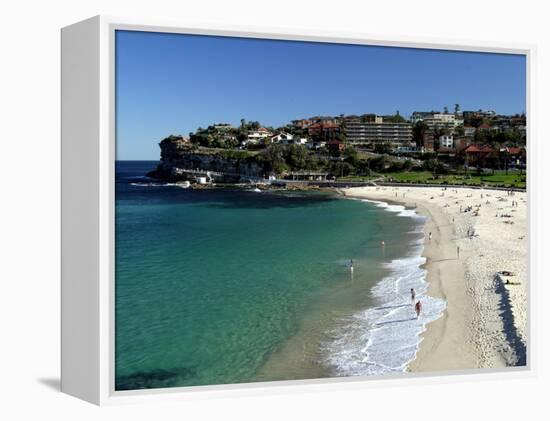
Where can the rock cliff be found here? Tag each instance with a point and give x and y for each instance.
(180, 160)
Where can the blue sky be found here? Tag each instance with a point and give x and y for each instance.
(173, 83)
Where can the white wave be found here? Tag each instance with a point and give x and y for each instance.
(151, 184)
(399, 209)
(385, 338)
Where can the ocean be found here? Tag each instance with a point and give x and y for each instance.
(225, 286)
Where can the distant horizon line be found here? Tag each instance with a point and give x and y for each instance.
(137, 160)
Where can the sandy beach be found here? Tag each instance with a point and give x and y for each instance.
(485, 286)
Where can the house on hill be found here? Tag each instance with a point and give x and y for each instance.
(255, 136)
(324, 131)
(284, 138)
(478, 156)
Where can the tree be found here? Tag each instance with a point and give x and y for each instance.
(342, 137)
(273, 159)
(407, 165)
(396, 118)
(201, 138)
(433, 165)
(459, 130)
(419, 131)
(379, 163)
(313, 163)
(241, 136)
(363, 167)
(383, 148)
(350, 155)
(342, 169)
(297, 157)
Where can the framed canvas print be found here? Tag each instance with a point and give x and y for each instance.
(245, 209)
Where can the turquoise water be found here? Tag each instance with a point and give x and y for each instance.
(213, 285)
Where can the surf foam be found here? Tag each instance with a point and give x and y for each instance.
(386, 338)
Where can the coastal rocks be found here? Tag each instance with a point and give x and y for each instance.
(180, 161)
(174, 147)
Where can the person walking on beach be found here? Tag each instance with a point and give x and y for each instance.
(430, 236)
(458, 252)
(413, 295)
(418, 309)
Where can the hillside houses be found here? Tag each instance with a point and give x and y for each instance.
(441, 132)
(256, 136)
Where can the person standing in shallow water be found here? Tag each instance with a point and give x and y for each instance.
(418, 309)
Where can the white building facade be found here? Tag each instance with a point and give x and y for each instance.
(446, 141)
(255, 136)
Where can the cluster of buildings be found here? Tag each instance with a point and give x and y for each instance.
(263, 135)
(424, 131)
(487, 156)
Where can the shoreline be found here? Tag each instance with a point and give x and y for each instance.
(443, 334)
(335, 347)
(481, 323)
(465, 336)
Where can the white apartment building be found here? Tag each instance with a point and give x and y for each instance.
(435, 119)
(446, 141)
(442, 120)
(359, 132)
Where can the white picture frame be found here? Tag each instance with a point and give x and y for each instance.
(88, 156)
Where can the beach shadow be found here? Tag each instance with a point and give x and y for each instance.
(52, 383)
(396, 321)
(510, 331)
